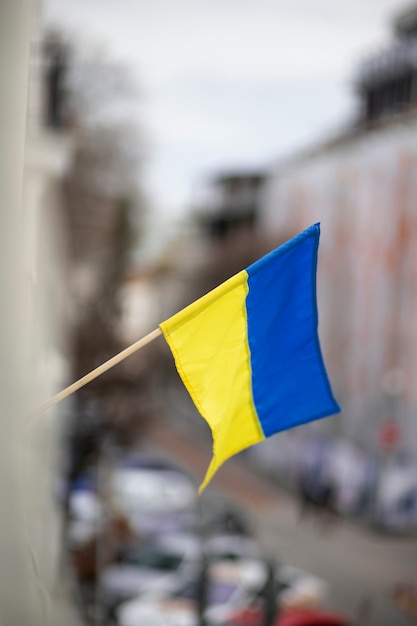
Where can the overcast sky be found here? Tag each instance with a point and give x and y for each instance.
(231, 83)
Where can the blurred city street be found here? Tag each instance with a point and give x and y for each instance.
(231, 187)
(361, 566)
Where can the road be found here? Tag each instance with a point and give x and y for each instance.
(360, 565)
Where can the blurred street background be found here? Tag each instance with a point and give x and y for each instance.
(150, 152)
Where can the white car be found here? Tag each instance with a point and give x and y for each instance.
(170, 560)
(160, 567)
(154, 500)
(230, 586)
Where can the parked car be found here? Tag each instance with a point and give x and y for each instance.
(161, 566)
(180, 608)
(155, 499)
(223, 598)
(254, 617)
(172, 559)
(298, 598)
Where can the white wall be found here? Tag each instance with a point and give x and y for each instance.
(363, 192)
(32, 358)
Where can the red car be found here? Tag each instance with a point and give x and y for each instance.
(253, 617)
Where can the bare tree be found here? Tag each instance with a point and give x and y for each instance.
(103, 209)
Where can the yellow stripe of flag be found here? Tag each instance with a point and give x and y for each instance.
(224, 354)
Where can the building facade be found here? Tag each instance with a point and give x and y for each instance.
(362, 188)
(35, 363)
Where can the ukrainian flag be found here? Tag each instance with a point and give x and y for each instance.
(248, 352)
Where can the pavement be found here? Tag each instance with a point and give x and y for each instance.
(360, 565)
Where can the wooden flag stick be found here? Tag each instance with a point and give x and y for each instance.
(99, 370)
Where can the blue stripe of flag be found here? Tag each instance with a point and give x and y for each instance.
(290, 385)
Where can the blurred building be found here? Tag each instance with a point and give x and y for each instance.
(230, 203)
(65, 224)
(387, 81)
(35, 154)
(362, 187)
